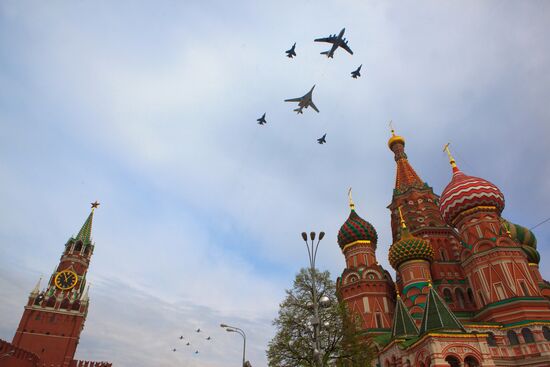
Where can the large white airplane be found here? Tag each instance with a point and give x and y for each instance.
(304, 102)
(337, 41)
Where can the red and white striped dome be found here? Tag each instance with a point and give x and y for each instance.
(466, 192)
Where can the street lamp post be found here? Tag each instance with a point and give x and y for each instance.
(312, 254)
(234, 329)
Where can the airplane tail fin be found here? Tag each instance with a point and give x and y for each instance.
(325, 53)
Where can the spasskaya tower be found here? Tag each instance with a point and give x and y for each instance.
(54, 317)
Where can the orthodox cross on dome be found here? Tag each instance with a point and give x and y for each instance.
(448, 151)
(351, 204)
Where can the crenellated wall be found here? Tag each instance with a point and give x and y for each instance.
(12, 356)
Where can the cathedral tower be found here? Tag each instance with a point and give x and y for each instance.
(419, 205)
(496, 266)
(54, 318)
(365, 286)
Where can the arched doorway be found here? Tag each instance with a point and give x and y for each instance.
(452, 361)
(471, 362)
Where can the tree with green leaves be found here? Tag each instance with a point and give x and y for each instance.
(340, 335)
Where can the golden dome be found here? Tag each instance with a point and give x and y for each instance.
(395, 139)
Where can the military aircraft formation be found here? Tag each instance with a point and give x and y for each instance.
(188, 344)
(305, 101)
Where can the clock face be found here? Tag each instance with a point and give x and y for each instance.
(66, 279)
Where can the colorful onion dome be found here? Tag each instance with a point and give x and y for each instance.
(409, 248)
(467, 192)
(356, 229)
(521, 235)
(533, 255)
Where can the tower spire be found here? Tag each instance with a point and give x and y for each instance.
(351, 203)
(406, 177)
(85, 233)
(451, 158)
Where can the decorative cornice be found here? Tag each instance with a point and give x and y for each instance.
(354, 243)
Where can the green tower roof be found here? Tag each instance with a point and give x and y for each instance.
(403, 324)
(438, 316)
(85, 233)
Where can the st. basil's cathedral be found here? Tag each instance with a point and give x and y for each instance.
(468, 290)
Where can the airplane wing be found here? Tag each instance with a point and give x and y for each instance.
(345, 47)
(326, 39)
(293, 100)
(313, 106)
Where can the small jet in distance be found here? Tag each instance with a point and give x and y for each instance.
(198, 330)
(181, 337)
(304, 102)
(337, 41)
(187, 343)
(208, 338)
(173, 350)
(322, 139)
(196, 352)
(261, 120)
(356, 73)
(291, 53)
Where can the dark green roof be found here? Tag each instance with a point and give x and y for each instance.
(403, 324)
(85, 233)
(438, 316)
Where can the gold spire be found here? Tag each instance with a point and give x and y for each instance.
(403, 225)
(451, 159)
(429, 283)
(507, 228)
(351, 204)
(397, 293)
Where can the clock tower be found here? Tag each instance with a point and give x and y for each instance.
(54, 317)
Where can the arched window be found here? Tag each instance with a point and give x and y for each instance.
(443, 254)
(527, 335)
(51, 302)
(452, 361)
(471, 296)
(491, 340)
(447, 295)
(86, 250)
(65, 304)
(78, 246)
(481, 298)
(546, 332)
(459, 297)
(471, 362)
(524, 289)
(512, 337)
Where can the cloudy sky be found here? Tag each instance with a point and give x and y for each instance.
(150, 108)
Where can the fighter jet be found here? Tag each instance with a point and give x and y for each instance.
(322, 139)
(337, 41)
(187, 343)
(208, 338)
(304, 102)
(196, 352)
(173, 350)
(261, 120)
(291, 53)
(356, 73)
(181, 337)
(198, 330)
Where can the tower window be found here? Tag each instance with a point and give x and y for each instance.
(500, 291)
(527, 335)
(512, 337)
(459, 297)
(378, 320)
(443, 254)
(524, 288)
(447, 295)
(491, 340)
(546, 332)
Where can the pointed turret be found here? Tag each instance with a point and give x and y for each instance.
(438, 316)
(403, 324)
(85, 233)
(406, 177)
(36, 289)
